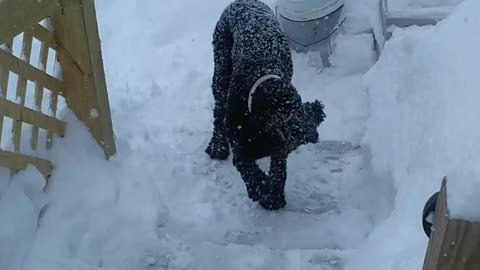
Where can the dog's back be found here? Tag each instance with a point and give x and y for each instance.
(258, 39)
(248, 45)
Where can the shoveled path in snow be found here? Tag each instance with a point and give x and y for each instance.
(327, 194)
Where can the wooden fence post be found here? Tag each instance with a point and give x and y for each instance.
(78, 43)
(454, 244)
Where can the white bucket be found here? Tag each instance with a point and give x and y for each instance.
(310, 25)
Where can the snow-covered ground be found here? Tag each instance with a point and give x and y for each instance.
(162, 204)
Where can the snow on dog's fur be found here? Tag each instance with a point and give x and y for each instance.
(257, 109)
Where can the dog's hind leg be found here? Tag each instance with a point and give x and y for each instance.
(218, 148)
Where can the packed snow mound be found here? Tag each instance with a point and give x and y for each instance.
(422, 126)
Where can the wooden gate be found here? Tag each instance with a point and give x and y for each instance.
(66, 30)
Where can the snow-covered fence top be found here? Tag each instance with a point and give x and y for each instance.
(455, 240)
(58, 35)
(405, 13)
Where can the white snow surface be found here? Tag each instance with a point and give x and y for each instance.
(162, 204)
(461, 196)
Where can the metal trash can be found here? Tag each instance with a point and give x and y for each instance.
(311, 25)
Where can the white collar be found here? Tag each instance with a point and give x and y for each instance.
(255, 86)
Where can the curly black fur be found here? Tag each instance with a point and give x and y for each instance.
(248, 44)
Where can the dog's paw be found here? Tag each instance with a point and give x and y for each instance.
(255, 185)
(218, 148)
(272, 202)
(272, 195)
(253, 193)
(217, 152)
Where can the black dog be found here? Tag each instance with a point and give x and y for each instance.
(258, 111)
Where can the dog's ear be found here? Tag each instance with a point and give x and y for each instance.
(315, 111)
(318, 111)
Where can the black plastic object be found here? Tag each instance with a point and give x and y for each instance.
(428, 209)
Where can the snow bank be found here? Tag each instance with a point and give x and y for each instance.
(101, 214)
(423, 125)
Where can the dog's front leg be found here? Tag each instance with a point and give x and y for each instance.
(273, 192)
(218, 147)
(252, 175)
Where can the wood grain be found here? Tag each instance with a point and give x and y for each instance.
(18, 15)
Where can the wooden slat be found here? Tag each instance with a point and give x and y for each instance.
(16, 161)
(32, 117)
(53, 98)
(4, 74)
(43, 35)
(79, 50)
(96, 60)
(39, 92)
(18, 15)
(31, 73)
(53, 110)
(22, 89)
(438, 232)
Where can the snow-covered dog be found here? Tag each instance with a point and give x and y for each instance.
(258, 111)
